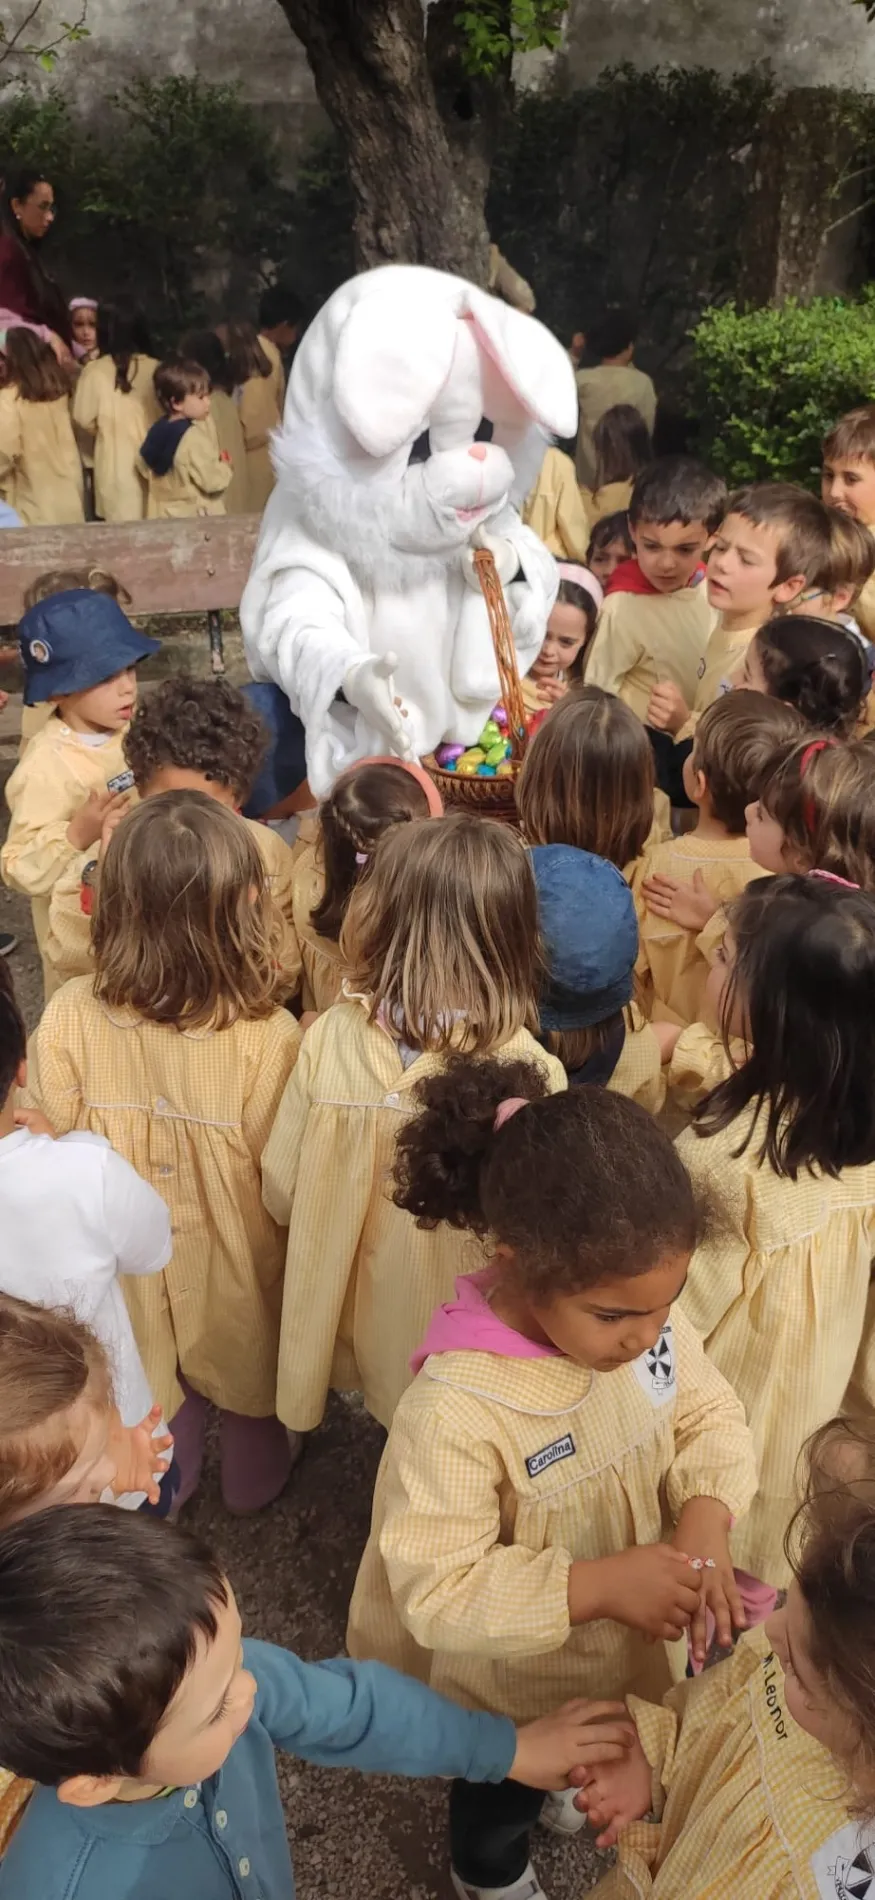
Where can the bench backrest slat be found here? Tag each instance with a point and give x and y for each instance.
(187, 566)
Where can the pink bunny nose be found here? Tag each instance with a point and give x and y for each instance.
(478, 452)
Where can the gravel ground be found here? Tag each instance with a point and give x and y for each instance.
(293, 1569)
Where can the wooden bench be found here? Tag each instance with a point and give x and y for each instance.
(197, 566)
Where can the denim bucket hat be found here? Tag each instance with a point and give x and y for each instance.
(74, 641)
(590, 934)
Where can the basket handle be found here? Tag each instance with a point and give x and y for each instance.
(505, 651)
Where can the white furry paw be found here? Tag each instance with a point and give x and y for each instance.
(369, 687)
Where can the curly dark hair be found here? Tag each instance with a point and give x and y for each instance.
(554, 1183)
(198, 726)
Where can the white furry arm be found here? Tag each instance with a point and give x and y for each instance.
(300, 632)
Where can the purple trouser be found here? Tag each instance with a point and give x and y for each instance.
(255, 1454)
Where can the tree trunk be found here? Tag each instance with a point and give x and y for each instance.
(416, 203)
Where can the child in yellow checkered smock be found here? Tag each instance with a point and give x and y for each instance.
(187, 736)
(441, 939)
(587, 782)
(554, 1502)
(363, 804)
(733, 753)
(757, 1779)
(177, 1051)
(784, 1151)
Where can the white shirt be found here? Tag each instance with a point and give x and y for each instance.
(73, 1216)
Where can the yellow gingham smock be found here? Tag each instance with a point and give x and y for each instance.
(68, 941)
(639, 1072)
(671, 968)
(322, 962)
(53, 777)
(191, 1111)
(499, 1473)
(747, 1806)
(778, 1292)
(362, 1280)
(642, 639)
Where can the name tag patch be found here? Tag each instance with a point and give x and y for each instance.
(655, 1370)
(541, 1461)
(844, 1867)
(121, 783)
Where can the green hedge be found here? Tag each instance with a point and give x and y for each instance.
(770, 383)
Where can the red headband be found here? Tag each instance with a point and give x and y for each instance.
(809, 815)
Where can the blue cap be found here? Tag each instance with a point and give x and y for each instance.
(590, 934)
(285, 767)
(74, 641)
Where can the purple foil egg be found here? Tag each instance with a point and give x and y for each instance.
(446, 755)
(500, 716)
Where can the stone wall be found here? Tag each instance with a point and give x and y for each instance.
(806, 42)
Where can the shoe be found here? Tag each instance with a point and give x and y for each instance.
(560, 1815)
(528, 1887)
(8, 943)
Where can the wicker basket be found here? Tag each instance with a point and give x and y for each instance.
(492, 797)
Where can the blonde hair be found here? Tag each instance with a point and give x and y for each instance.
(48, 1362)
(441, 933)
(823, 797)
(852, 438)
(185, 929)
(588, 779)
(852, 554)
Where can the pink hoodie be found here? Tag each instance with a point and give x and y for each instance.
(468, 1324)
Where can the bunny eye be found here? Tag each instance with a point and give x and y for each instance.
(421, 450)
(485, 430)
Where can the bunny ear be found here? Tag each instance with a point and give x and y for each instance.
(393, 358)
(530, 359)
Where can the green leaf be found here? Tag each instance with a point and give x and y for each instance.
(48, 61)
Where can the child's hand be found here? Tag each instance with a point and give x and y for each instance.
(667, 1035)
(649, 1587)
(616, 1793)
(34, 1119)
(111, 823)
(667, 708)
(690, 905)
(137, 1455)
(578, 1735)
(87, 823)
(703, 1531)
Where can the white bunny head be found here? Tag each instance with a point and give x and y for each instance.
(414, 404)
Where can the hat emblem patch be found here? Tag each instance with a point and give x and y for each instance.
(40, 651)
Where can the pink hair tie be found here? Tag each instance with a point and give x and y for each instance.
(832, 877)
(583, 577)
(83, 303)
(506, 1109)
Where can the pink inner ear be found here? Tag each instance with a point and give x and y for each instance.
(504, 369)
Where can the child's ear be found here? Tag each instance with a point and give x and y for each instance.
(89, 1791)
(21, 1076)
(789, 591)
(700, 787)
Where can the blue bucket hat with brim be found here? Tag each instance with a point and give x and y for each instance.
(74, 641)
(590, 934)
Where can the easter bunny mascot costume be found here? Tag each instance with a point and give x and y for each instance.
(418, 406)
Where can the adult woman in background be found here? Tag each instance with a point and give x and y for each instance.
(28, 295)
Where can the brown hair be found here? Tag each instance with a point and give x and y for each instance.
(734, 748)
(852, 554)
(246, 355)
(33, 368)
(587, 779)
(203, 726)
(48, 1362)
(185, 931)
(802, 523)
(823, 797)
(553, 1183)
(831, 1547)
(815, 665)
(442, 933)
(852, 438)
(352, 819)
(62, 580)
(177, 378)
